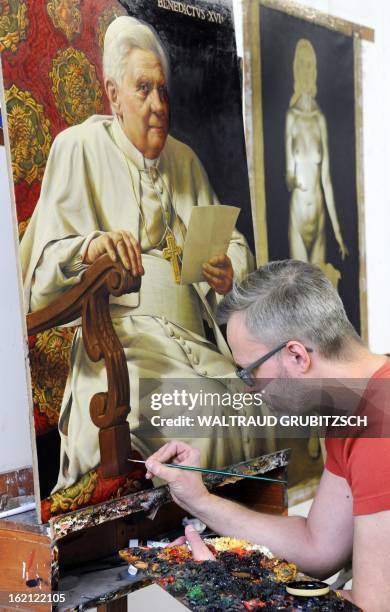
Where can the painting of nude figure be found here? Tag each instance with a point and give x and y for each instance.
(307, 166)
(305, 94)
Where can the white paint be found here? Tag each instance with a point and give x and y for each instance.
(15, 443)
(19, 510)
(376, 152)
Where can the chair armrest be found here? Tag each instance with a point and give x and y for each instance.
(103, 276)
(90, 300)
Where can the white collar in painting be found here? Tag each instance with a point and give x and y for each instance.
(129, 149)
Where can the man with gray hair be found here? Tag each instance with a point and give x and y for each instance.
(122, 185)
(287, 321)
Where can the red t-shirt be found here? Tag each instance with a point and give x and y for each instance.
(364, 463)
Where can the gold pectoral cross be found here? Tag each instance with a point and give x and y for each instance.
(172, 252)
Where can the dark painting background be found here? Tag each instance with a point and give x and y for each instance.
(279, 34)
(205, 95)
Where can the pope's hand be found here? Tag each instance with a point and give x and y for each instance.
(120, 244)
(218, 272)
(186, 487)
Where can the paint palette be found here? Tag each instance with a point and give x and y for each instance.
(239, 579)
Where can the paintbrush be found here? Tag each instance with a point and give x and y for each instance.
(209, 471)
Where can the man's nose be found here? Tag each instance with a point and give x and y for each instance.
(157, 99)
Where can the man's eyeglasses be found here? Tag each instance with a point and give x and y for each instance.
(246, 373)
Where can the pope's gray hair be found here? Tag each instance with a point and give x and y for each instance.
(292, 300)
(122, 36)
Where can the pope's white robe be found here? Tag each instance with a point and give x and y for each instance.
(97, 181)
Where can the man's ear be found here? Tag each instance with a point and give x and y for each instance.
(298, 355)
(112, 94)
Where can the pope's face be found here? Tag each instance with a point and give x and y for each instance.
(142, 102)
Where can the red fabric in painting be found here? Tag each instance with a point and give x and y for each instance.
(30, 65)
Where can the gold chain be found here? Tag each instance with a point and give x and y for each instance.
(172, 204)
(167, 229)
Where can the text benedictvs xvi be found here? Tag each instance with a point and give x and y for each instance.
(190, 10)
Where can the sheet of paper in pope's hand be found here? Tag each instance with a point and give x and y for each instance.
(209, 232)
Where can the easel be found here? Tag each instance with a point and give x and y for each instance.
(41, 555)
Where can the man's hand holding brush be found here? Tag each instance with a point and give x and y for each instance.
(186, 487)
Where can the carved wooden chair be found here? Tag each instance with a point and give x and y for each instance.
(109, 410)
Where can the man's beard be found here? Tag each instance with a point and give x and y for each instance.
(287, 395)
